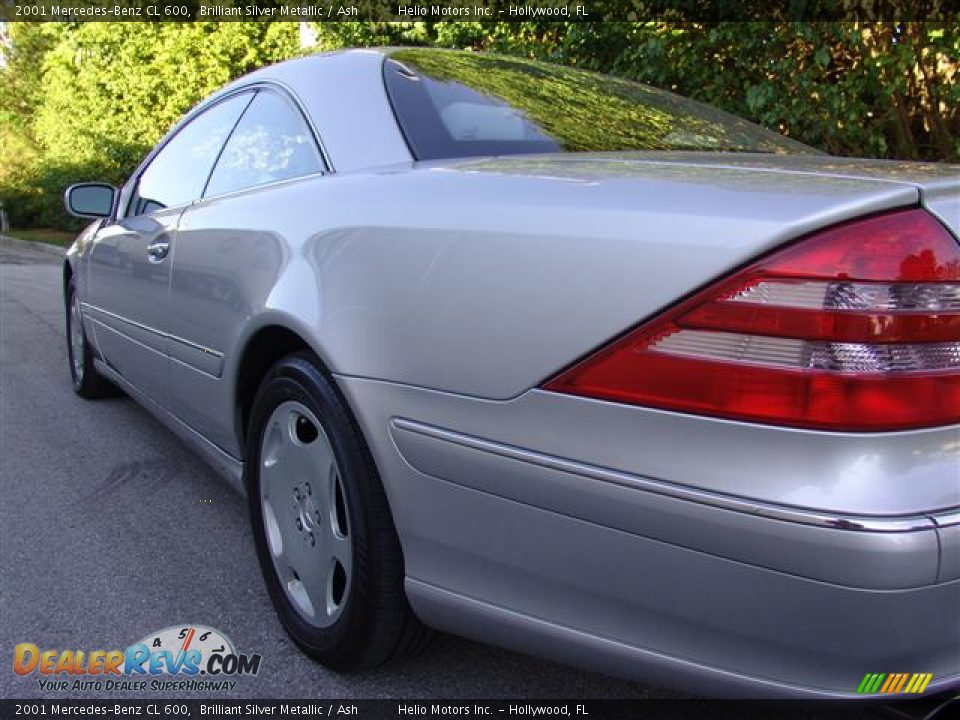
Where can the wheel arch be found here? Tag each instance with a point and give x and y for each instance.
(67, 276)
(270, 341)
(395, 628)
(263, 348)
(266, 345)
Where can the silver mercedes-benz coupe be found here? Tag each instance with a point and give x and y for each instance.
(552, 360)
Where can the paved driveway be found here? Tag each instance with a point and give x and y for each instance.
(110, 529)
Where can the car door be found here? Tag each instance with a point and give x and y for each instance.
(229, 253)
(129, 265)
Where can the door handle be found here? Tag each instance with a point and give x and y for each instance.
(158, 251)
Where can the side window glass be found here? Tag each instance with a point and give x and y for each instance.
(271, 143)
(178, 172)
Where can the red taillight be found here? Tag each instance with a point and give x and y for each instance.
(854, 328)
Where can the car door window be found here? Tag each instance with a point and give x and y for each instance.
(270, 143)
(177, 174)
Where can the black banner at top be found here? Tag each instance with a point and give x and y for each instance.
(480, 10)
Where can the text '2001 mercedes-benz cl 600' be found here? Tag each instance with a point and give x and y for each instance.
(553, 360)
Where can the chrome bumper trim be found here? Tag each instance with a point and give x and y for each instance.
(947, 518)
(863, 523)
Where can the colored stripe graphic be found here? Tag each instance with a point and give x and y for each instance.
(870, 682)
(901, 683)
(913, 683)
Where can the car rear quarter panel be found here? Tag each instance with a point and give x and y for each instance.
(576, 563)
(475, 280)
(944, 202)
(479, 284)
(485, 283)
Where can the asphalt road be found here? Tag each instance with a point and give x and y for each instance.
(110, 529)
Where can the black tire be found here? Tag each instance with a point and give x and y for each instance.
(87, 382)
(376, 624)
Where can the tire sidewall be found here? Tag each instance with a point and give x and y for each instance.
(297, 379)
(77, 381)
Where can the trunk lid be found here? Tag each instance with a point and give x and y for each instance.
(937, 184)
(516, 266)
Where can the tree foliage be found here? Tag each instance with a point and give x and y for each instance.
(86, 100)
(105, 93)
(889, 90)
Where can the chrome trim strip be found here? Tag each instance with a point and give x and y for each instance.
(947, 518)
(865, 523)
(159, 333)
(199, 202)
(97, 323)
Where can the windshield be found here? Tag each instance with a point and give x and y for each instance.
(453, 104)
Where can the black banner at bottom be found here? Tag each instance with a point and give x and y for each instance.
(939, 709)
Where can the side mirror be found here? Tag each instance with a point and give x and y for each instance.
(90, 200)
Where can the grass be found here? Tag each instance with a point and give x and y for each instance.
(47, 235)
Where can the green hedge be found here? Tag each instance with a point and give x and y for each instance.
(87, 100)
(884, 90)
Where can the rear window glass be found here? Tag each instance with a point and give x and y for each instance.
(460, 104)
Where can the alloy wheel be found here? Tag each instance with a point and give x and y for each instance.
(305, 515)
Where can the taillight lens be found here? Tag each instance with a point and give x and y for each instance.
(854, 328)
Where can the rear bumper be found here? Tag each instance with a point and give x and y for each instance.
(687, 587)
(855, 551)
(804, 674)
(731, 604)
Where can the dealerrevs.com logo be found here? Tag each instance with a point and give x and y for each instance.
(188, 657)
